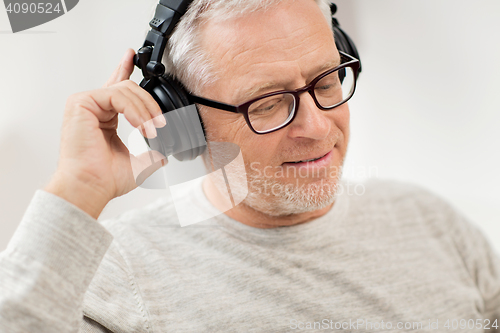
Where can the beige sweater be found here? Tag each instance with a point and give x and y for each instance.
(394, 257)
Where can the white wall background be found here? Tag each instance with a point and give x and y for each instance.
(426, 110)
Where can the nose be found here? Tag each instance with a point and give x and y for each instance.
(310, 122)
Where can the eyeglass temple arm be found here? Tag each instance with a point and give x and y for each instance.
(213, 104)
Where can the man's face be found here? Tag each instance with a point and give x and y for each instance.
(284, 47)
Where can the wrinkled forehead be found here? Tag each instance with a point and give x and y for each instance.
(291, 36)
(281, 22)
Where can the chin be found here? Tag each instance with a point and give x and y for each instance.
(277, 198)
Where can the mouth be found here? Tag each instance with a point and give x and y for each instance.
(311, 161)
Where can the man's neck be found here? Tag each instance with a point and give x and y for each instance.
(254, 218)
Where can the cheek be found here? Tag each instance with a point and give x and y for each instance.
(221, 126)
(227, 127)
(341, 119)
(256, 149)
(342, 123)
(346, 123)
(259, 149)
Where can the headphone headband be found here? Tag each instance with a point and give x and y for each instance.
(180, 6)
(167, 15)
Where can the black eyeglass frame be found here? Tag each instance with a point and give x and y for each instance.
(352, 62)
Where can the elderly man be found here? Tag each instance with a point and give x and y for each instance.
(304, 257)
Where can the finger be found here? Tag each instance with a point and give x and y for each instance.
(141, 99)
(122, 101)
(106, 103)
(149, 102)
(146, 164)
(148, 126)
(124, 69)
(127, 65)
(145, 114)
(111, 124)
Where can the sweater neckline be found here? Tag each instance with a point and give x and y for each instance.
(325, 224)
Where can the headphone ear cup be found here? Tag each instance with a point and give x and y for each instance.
(194, 128)
(340, 41)
(189, 120)
(185, 133)
(343, 42)
(165, 139)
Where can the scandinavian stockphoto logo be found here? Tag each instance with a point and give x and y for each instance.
(222, 163)
(26, 14)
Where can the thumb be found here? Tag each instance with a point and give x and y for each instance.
(146, 164)
(124, 69)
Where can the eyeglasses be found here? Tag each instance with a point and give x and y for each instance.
(273, 111)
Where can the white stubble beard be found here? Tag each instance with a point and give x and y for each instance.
(270, 196)
(275, 198)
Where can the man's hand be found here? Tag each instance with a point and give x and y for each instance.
(94, 164)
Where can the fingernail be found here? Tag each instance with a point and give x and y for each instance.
(159, 121)
(142, 130)
(150, 129)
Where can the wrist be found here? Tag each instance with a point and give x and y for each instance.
(85, 195)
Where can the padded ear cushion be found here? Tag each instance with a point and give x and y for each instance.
(172, 93)
(177, 87)
(183, 96)
(178, 137)
(184, 143)
(181, 93)
(189, 145)
(174, 137)
(189, 121)
(164, 142)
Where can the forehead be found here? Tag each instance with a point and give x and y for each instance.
(283, 45)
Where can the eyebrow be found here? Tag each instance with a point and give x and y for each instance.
(330, 65)
(256, 91)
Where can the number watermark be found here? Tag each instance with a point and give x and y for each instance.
(26, 14)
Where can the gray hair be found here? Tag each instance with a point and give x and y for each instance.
(185, 60)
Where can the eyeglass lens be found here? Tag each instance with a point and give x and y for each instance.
(276, 111)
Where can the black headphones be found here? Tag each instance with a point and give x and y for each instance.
(184, 133)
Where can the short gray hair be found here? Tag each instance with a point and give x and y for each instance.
(185, 60)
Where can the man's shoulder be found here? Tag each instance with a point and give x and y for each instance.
(404, 201)
(413, 207)
(398, 193)
(385, 187)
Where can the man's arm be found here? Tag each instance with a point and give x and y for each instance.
(56, 250)
(90, 326)
(480, 260)
(48, 266)
(483, 265)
